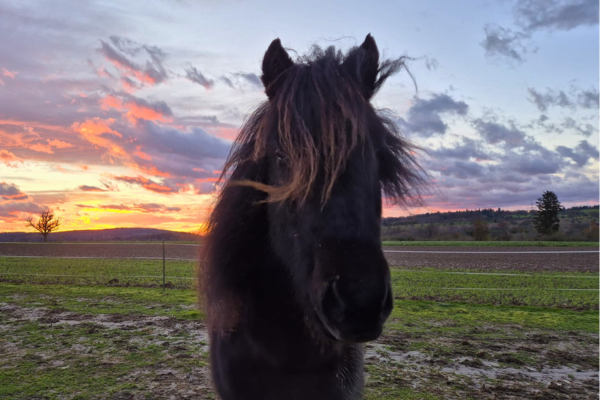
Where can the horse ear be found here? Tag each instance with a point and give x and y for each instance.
(275, 62)
(363, 63)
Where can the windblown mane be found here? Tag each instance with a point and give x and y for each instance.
(319, 115)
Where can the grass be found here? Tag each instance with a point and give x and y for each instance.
(577, 290)
(385, 243)
(488, 244)
(177, 303)
(77, 271)
(572, 290)
(427, 317)
(408, 315)
(56, 360)
(112, 242)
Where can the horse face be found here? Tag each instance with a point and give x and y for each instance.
(332, 249)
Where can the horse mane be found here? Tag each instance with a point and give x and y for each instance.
(320, 113)
(318, 116)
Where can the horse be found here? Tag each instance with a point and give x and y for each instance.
(293, 279)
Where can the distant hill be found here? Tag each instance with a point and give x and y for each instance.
(104, 235)
(576, 224)
(489, 215)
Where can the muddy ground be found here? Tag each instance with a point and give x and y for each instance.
(584, 259)
(157, 357)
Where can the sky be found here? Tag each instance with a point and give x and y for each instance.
(121, 113)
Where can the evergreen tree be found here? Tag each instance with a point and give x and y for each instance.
(546, 219)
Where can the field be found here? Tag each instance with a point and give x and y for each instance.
(487, 243)
(79, 328)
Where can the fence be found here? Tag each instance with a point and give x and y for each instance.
(160, 264)
(554, 277)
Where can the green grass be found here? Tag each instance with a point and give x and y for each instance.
(487, 244)
(178, 303)
(77, 271)
(124, 362)
(408, 315)
(574, 290)
(51, 366)
(428, 317)
(546, 289)
(111, 242)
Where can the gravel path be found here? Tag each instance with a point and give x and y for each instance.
(583, 259)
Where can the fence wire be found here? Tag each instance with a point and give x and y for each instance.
(168, 266)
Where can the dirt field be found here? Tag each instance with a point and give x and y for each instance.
(582, 259)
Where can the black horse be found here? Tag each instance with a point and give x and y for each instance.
(294, 278)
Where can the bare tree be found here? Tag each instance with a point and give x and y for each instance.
(46, 224)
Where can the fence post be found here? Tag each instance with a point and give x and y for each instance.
(164, 284)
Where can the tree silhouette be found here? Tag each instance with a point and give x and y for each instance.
(546, 219)
(46, 224)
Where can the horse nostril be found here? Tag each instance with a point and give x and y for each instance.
(386, 298)
(336, 292)
(333, 304)
(388, 303)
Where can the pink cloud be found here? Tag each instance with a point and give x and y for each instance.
(9, 158)
(59, 144)
(87, 188)
(8, 73)
(10, 191)
(146, 183)
(133, 108)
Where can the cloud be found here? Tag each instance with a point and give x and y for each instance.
(9, 158)
(469, 149)
(507, 167)
(192, 74)
(146, 183)
(10, 191)
(586, 130)
(504, 43)
(464, 170)
(588, 98)
(152, 72)
(580, 154)
(550, 98)
(556, 14)
(541, 162)
(8, 73)
(240, 79)
(14, 209)
(536, 15)
(583, 98)
(155, 208)
(86, 188)
(227, 81)
(134, 107)
(495, 133)
(251, 78)
(140, 207)
(424, 117)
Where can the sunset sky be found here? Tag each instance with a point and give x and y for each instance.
(121, 113)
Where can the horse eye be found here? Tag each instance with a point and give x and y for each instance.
(279, 155)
